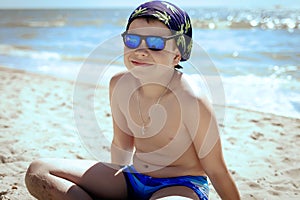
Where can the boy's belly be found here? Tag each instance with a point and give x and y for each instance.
(172, 165)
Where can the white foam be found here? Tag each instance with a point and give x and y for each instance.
(27, 52)
(265, 94)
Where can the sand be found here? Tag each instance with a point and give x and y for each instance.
(37, 120)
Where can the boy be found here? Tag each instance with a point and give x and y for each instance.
(166, 140)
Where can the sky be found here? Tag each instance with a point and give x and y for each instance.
(37, 4)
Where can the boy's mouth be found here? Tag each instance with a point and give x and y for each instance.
(140, 63)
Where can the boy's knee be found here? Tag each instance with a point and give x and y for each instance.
(35, 175)
(37, 167)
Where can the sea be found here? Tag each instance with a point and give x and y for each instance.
(254, 52)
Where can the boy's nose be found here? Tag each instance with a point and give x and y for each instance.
(142, 50)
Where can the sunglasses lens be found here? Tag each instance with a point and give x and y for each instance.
(155, 43)
(132, 41)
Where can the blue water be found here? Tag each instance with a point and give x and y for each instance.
(255, 52)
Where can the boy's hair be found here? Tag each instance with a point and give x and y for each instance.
(173, 17)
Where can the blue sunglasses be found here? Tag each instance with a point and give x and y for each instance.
(154, 43)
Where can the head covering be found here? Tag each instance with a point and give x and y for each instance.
(173, 17)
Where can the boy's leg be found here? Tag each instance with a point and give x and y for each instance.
(74, 179)
(175, 192)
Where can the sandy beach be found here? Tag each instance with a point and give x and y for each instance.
(37, 120)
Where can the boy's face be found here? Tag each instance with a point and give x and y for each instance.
(146, 61)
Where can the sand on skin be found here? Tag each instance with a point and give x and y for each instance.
(37, 120)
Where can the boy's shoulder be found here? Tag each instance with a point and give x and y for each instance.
(119, 78)
(191, 88)
(194, 94)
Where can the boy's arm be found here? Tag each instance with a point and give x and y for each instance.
(121, 147)
(122, 143)
(207, 143)
(218, 174)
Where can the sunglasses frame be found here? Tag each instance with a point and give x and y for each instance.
(144, 37)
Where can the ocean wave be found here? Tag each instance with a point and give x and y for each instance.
(272, 24)
(287, 71)
(26, 51)
(264, 94)
(37, 23)
(203, 18)
(267, 94)
(246, 19)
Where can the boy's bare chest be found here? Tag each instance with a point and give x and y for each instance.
(157, 126)
(149, 119)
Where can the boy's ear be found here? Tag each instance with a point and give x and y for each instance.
(177, 58)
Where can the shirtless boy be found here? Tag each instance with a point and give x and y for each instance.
(166, 140)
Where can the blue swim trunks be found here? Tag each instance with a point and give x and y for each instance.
(142, 187)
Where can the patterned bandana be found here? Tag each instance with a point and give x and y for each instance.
(173, 17)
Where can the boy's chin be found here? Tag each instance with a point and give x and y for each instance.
(150, 73)
(142, 72)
